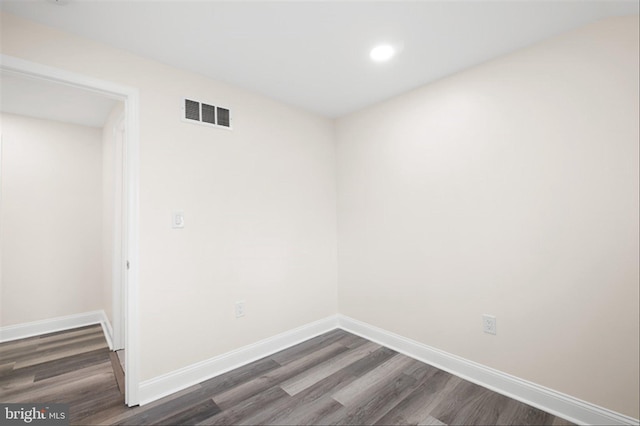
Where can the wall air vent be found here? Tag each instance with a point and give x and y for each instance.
(207, 114)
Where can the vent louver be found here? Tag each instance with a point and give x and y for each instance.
(191, 110)
(223, 117)
(210, 115)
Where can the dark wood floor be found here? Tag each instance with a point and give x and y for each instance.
(336, 378)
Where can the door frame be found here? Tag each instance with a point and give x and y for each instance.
(130, 97)
(119, 246)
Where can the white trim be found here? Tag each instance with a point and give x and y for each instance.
(107, 329)
(118, 246)
(132, 332)
(164, 385)
(130, 96)
(26, 68)
(556, 403)
(52, 325)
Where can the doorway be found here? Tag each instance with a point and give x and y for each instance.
(125, 222)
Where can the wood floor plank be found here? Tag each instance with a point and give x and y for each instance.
(6, 368)
(41, 357)
(21, 350)
(60, 380)
(60, 366)
(269, 399)
(309, 405)
(70, 342)
(352, 341)
(373, 380)
(420, 371)
(110, 412)
(169, 407)
(313, 375)
(310, 413)
(79, 388)
(16, 383)
(523, 414)
(193, 414)
(26, 388)
(117, 414)
(11, 353)
(419, 404)
(68, 364)
(469, 403)
(248, 389)
(431, 421)
(368, 408)
(17, 344)
(369, 362)
(86, 405)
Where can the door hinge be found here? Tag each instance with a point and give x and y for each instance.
(127, 264)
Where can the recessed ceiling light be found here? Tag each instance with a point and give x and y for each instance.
(382, 53)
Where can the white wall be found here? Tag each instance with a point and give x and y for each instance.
(259, 205)
(509, 189)
(51, 219)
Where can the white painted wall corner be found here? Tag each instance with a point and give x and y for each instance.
(158, 387)
(549, 400)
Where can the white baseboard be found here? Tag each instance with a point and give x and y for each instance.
(107, 330)
(556, 403)
(158, 387)
(37, 328)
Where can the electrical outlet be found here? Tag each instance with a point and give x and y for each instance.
(489, 324)
(177, 221)
(240, 309)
